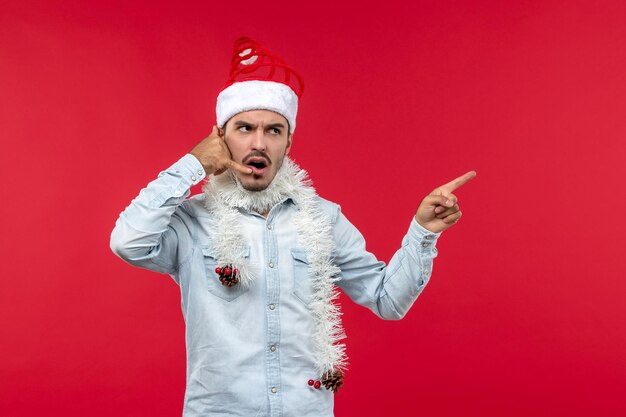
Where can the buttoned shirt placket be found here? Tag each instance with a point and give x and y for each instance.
(272, 287)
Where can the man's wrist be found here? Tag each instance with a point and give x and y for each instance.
(425, 227)
(193, 168)
(420, 232)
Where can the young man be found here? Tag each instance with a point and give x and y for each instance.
(259, 256)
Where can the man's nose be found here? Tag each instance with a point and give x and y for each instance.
(258, 140)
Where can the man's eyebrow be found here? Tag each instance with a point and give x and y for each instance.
(271, 125)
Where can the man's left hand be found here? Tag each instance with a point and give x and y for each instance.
(440, 209)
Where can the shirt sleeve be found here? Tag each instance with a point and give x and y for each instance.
(388, 290)
(146, 233)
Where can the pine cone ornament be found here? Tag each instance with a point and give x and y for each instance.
(229, 276)
(333, 380)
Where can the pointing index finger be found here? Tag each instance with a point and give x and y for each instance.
(237, 166)
(456, 183)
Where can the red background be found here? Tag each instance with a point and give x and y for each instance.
(525, 313)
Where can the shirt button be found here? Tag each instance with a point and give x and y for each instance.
(269, 227)
(429, 237)
(424, 244)
(199, 172)
(272, 306)
(274, 390)
(193, 177)
(273, 348)
(271, 264)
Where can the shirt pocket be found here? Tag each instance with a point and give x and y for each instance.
(214, 285)
(302, 281)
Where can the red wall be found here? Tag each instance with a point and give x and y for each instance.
(525, 313)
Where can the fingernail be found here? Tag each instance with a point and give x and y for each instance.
(449, 203)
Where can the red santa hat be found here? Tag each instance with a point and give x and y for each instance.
(259, 80)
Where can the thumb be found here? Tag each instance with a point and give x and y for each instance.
(437, 200)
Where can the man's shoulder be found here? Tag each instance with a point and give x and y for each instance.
(323, 201)
(329, 208)
(194, 206)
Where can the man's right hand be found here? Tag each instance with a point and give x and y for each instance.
(214, 155)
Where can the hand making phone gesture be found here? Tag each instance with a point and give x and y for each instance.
(214, 155)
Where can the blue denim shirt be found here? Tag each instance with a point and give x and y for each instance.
(249, 351)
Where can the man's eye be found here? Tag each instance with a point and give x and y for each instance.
(244, 128)
(275, 131)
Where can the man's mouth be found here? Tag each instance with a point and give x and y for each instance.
(257, 164)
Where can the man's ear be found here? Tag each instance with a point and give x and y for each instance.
(289, 140)
(221, 131)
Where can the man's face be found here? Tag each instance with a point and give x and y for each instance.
(258, 139)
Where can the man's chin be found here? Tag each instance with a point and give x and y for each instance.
(254, 185)
(254, 182)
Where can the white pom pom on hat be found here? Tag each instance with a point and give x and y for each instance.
(259, 80)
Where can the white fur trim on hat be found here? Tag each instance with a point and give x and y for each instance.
(257, 95)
